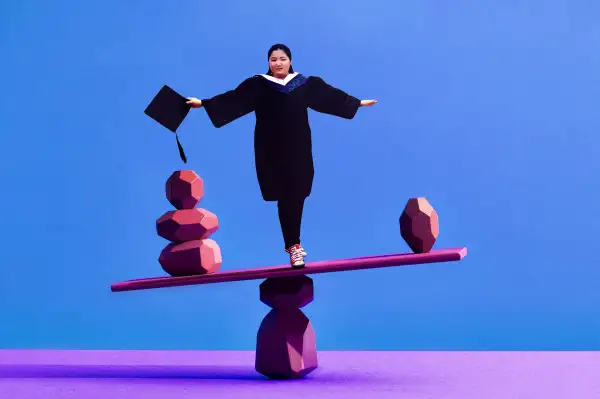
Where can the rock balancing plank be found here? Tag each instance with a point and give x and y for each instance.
(285, 342)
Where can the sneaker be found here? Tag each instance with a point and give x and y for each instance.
(302, 250)
(296, 255)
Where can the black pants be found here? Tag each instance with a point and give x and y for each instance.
(290, 218)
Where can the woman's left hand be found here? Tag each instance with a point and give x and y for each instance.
(367, 103)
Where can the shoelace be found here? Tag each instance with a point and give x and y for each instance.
(296, 254)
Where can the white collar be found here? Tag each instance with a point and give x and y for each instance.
(282, 82)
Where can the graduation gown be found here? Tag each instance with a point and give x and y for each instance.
(282, 134)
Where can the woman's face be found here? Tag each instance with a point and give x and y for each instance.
(279, 64)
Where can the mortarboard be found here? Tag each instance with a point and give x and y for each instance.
(169, 108)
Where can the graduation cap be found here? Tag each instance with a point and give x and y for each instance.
(169, 108)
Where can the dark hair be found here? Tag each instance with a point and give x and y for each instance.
(283, 48)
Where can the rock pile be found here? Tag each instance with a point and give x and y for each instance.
(188, 228)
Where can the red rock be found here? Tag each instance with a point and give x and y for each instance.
(184, 189)
(191, 258)
(419, 225)
(187, 225)
(286, 345)
(292, 292)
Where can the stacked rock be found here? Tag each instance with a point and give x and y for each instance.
(190, 251)
(419, 225)
(286, 344)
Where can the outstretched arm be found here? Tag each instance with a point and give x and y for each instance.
(327, 99)
(229, 106)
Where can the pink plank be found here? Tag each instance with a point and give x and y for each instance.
(326, 266)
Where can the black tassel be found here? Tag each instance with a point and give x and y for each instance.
(181, 153)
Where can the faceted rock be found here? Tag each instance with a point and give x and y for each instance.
(286, 345)
(187, 225)
(292, 292)
(419, 225)
(191, 258)
(185, 189)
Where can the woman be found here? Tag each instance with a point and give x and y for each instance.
(282, 136)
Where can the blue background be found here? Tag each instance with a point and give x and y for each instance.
(489, 109)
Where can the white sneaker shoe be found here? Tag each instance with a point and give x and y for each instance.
(297, 254)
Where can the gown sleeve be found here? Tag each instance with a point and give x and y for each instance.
(233, 104)
(328, 100)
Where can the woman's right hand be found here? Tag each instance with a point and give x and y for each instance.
(194, 102)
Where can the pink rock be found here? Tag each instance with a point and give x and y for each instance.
(286, 345)
(187, 225)
(184, 189)
(292, 292)
(191, 258)
(419, 225)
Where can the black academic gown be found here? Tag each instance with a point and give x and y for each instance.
(282, 135)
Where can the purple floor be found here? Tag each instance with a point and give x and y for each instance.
(38, 374)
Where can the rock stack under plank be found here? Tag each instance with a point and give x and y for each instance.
(188, 228)
(286, 344)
